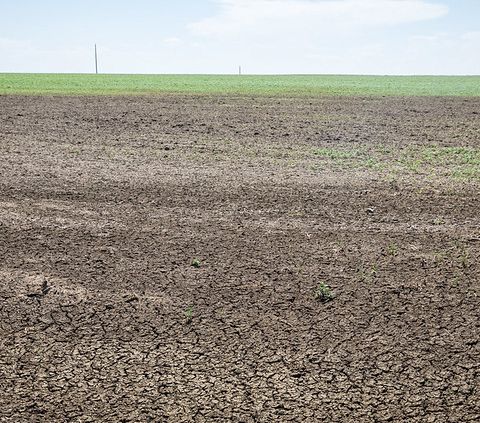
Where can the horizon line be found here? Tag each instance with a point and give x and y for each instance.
(243, 74)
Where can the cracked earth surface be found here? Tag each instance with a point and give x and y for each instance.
(105, 202)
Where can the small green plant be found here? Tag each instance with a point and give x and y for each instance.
(393, 250)
(189, 314)
(373, 163)
(455, 281)
(324, 293)
(464, 257)
(439, 257)
(196, 263)
(336, 154)
(368, 275)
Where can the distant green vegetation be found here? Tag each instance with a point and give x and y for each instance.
(302, 85)
(461, 163)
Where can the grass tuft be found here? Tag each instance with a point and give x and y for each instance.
(324, 293)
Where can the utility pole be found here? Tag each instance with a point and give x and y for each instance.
(96, 60)
(239, 70)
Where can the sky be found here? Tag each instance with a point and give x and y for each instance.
(381, 37)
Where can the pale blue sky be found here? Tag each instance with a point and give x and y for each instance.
(264, 36)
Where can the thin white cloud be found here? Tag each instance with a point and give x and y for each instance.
(471, 36)
(11, 44)
(27, 56)
(243, 16)
(172, 41)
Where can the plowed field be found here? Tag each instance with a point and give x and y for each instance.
(162, 257)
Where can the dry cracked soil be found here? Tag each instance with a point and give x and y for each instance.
(160, 260)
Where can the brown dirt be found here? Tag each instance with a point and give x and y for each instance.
(105, 203)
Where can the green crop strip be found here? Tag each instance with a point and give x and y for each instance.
(291, 85)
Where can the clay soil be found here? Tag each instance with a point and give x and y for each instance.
(160, 259)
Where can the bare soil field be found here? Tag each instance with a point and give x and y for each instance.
(162, 257)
